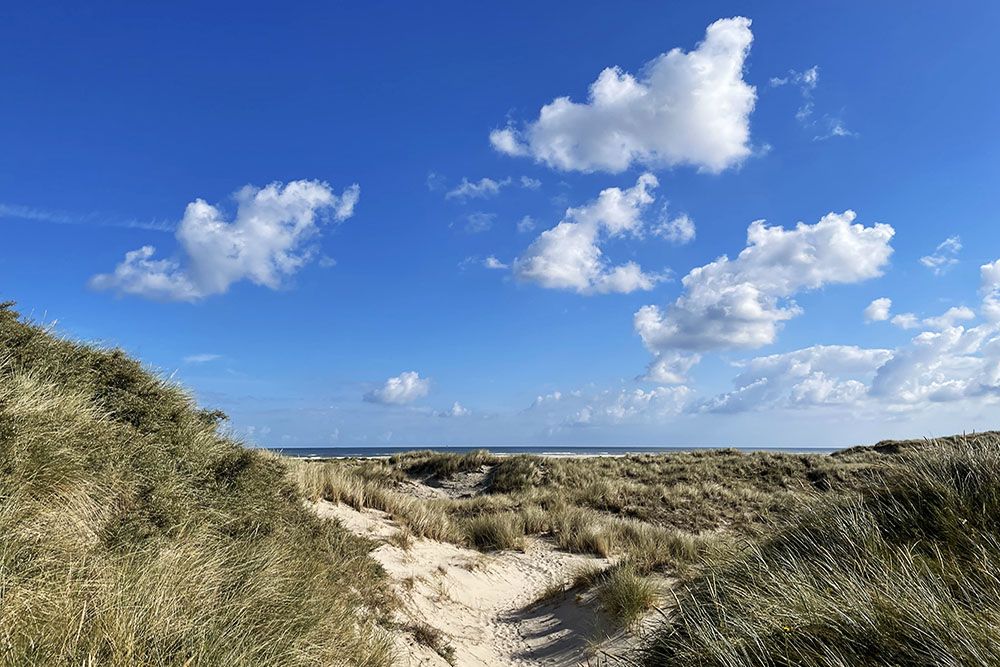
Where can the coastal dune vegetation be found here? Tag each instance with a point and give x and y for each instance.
(882, 555)
(904, 573)
(134, 533)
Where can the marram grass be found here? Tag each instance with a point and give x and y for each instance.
(906, 574)
(133, 533)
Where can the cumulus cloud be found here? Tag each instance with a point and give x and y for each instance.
(679, 230)
(944, 257)
(944, 363)
(878, 310)
(989, 288)
(611, 406)
(632, 405)
(456, 410)
(400, 390)
(530, 183)
(684, 108)
(818, 375)
(492, 262)
(940, 366)
(947, 319)
(266, 242)
(525, 224)
(569, 255)
(670, 367)
(481, 189)
(741, 303)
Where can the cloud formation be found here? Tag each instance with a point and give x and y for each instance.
(678, 231)
(492, 262)
(878, 310)
(741, 303)
(945, 363)
(481, 189)
(456, 410)
(688, 108)
(400, 390)
(266, 242)
(944, 257)
(569, 255)
(806, 82)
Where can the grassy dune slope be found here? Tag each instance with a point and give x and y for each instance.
(905, 574)
(133, 533)
(655, 510)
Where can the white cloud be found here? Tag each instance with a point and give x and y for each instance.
(569, 255)
(945, 363)
(834, 128)
(266, 242)
(526, 224)
(201, 358)
(679, 230)
(34, 214)
(743, 302)
(819, 375)
(456, 410)
(400, 390)
(906, 321)
(506, 141)
(631, 406)
(949, 318)
(530, 183)
(492, 262)
(944, 321)
(940, 366)
(478, 222)
(481, 189)
(990, 290)
(542, 399)
(944, 256)
(670, 367)
(878, 310)
(435, 181)
(806, 82)
(684, 108)
(610, 407)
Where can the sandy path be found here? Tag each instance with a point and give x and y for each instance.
(481, 603)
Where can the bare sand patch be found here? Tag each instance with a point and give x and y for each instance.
(483, 605)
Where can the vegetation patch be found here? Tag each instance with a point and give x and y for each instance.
(904, 574)
(135, 534)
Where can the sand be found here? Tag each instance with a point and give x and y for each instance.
(483, 603)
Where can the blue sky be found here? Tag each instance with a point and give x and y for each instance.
(321, 273)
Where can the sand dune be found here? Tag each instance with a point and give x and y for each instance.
(482, 604)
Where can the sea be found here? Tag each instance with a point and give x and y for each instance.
(546, 450)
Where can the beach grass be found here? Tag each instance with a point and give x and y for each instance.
(903, 574)
(135, 533)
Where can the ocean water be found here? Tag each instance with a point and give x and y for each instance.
(329, 452)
